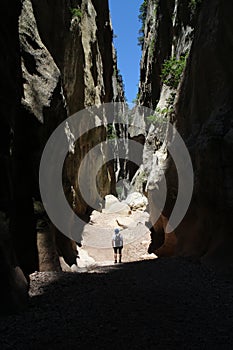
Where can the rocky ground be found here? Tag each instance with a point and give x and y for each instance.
(97, 235)
(97, 238)
(143, 303)
(171, 303)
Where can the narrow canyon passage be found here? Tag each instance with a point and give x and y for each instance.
(69, 140)
(162, 304)
(97, 235)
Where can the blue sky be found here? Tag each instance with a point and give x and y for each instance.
(124, 14)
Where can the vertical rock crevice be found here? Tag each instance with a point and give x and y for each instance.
(200, 107)
(64, 62)
(76, 37)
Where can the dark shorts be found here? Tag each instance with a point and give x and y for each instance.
(119, 249)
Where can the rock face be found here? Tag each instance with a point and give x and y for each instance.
(199, 104)
(157, 47)
(205, 119)
(168, 34)
(67, 63)
(41, 111)
(81, 46)
(78, 35)
(14, 286)
(68, 60)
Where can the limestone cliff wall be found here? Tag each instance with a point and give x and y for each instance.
(158, 35)
(58, 58)
(205, 120)
(200, 107)
(71, 43)
(168, 34)
(78, 35)
(81, 45)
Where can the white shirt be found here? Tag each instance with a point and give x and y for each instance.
(117, 240)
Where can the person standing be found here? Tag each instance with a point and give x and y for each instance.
(117, 244)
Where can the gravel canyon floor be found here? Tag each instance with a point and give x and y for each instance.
(165, 303)
(169, 303)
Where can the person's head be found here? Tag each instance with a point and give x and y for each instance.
(116, 230)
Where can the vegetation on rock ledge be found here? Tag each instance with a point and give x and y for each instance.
(76, 12)
(172, 70)
(142, 18)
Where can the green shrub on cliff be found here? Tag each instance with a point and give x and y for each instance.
(160, 114)
(193, 4)
(142, 19)
(172, 70)
(143, 12)
(76, 12)
(111, 132)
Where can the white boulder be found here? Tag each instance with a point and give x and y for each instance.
(113, 205)
(119, 208)
(136, 200)
(84, 259)
(110, 200)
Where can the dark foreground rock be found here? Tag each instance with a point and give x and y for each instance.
(162, 304)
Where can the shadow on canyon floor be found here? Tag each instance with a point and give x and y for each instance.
(168, 303)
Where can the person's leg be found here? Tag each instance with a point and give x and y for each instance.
(120, 254)
(115, 255)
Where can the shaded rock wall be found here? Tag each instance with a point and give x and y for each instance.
(14, 286)
(68, 63)
(63, 63)
(41, 112)
(169, 31)
(205, 119)
(202, 112)
(82, 49)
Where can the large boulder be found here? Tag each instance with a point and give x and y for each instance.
(136, 200)
(113, 205)
(110, 200)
